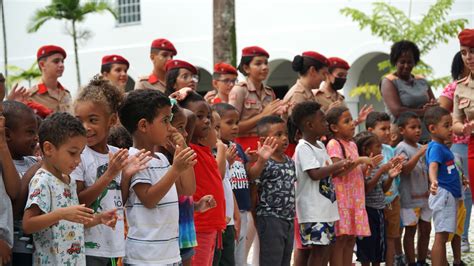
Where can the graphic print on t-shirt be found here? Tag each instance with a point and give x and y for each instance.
(327, 189)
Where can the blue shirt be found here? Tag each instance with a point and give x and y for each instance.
(388, 153)
(239, 180)
(448, 176)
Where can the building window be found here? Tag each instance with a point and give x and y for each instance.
(128, 12)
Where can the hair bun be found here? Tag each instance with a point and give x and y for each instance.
(297, 63)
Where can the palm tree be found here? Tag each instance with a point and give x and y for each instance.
(30, 74)
(5, 57)
(225, 47)
(73, 12)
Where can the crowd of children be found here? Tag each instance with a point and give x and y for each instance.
(164, 176)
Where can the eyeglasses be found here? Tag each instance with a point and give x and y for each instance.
(187, 77)
(228, 81)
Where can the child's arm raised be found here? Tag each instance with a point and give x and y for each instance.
(264, 152)
(325, 171)
(411, 163)
(11, 179)
(149, 194)
(394, 171)
(221, 157)
(117, 162)
(136, 163)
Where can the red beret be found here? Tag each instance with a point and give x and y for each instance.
(254, 51)
(115, 59)
(48, 50)
(164, 44)
(173, 64)
(466, 37)
(316, 56)
(223, 68)
(336, 62)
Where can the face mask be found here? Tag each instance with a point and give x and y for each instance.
(338, 83)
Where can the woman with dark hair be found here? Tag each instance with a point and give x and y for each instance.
(402, 91)
(459, 149)
(114, 69)
(180, 74)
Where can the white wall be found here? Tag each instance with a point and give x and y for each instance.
(283, 27)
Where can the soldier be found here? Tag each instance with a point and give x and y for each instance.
(328, 95)
(49, 92)
(223, 79)
(114, 69)
(161, 51)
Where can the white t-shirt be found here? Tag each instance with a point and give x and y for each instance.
(153, 233)
(101, 240)
(228, 195)
(315, 199)
(6, 214)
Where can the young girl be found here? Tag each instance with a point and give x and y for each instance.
(349, 185)
(377, 181)
(208, 182)
(99, 174)
(114, 68)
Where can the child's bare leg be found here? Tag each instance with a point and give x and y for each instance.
(409, 243)
(456, 246)
(398, 244)
(318, 256)
(438, 251)
(187, 262)
(390, 252)
(349, 250)
(336, 258)
(301, 256)
(423, 239)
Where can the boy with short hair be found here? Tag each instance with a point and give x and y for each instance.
(161, 51)
(276, 177)
(223, 79)
(52, 213)
(379, 124)
(414, 191)
(152, 206)
(445, 185)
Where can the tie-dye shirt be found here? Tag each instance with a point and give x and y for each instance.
(187, 232)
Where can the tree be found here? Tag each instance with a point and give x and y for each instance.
(31, 74)
(4, 32)
(225, 47)
(73, 12)
(392, 25)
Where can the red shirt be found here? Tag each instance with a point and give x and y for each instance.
(208, 182)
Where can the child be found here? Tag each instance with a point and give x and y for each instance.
(223, 79)
(445, 187)
(208, 182)
(414, 192)
(379, 124)
(377, 181)
(114, 69)
(276, 189)
(52, 212)
(161, 51)
(349, 185)
(98, 176)
(9, 188)
(316, 203)
(238, 175)
(152, 206)
(22, 139)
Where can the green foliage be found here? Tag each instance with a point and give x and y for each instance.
(18, 74)
(392, 25)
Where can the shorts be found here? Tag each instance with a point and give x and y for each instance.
(297, 241)
(392, 218)
(317, 234)
(411, 216)
(445, 208)
(372, 248)
(461, 218)
(186, 253)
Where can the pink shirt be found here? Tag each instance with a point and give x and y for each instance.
(448, 92)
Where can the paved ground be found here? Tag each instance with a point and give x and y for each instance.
(468, 258)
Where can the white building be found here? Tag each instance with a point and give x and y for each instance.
(283, 27)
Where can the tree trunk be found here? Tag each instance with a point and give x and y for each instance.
(225, 45)
(76, 55)
(4, 31)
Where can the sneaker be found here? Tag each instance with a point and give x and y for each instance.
(465, 246)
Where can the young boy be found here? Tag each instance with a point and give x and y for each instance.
(52, 213)
(379, 124)
(316, 203)
(223, 79)
(9, 188)
(22, 138)
(49, 92)
(161, 51)
(414, 191)
(152, 206)
(445, 187)
(275, 210)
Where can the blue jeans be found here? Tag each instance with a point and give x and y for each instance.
(460, 151)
